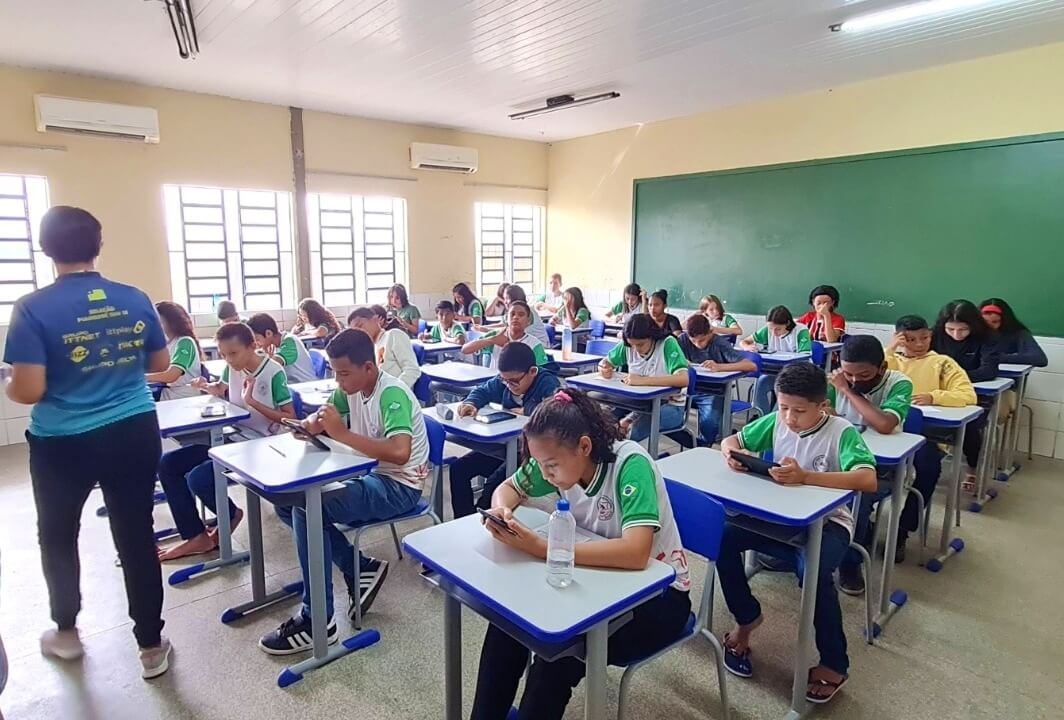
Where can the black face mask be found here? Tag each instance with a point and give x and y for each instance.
(867, 385)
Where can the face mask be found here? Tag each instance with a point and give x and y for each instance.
(868, 385)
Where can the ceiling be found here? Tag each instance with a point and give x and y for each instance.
(469, 63)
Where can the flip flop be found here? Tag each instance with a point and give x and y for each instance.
(833, 686)
(735, 662)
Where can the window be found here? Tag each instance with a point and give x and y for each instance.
(357, 247)
(23, 267)
(234, 244)
(509, 246)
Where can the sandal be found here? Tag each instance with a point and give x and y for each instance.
(820, 684)
(735, 662)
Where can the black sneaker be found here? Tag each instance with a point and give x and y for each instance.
(294, 636)
(851, 580)
(899, 550)
(370, 580)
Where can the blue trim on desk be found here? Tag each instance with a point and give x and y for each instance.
(298, 485)
(502, 437)
(1013, 374)
(425, 370)
(620, 392)
(207, 424)
(883, 460)
(992, 392)
(943, 423)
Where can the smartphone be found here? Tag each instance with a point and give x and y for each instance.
(754, 464)
(213, 410)
(302, 434)
(498, 522)
(494, 417)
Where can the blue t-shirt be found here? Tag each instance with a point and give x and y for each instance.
(94, 337)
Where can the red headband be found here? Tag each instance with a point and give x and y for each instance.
(993, 309)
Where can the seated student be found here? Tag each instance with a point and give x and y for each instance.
(393, 350)
(649, 357)
(576, 453)
(702, 346)
(573, 312)
(553, 300)
(286, 350)
(825, 325)
(498, 304)
(813, 448)
(445, 329)
(656, 305)
(867, 394)
(1016, 344)
(631, 304)
(519, 387)
(377, 416)
(386, 321)
(937, 380)
(536, 328)
(780, 334)
(227, 313)
(315, 321)
(258, 384)
(184, 349)
(723, 323)
(518, 329)
(467, 307)
(400, 308)
(962, 334)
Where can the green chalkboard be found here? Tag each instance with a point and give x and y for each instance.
(897, 233)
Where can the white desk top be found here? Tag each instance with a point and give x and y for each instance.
(711, 375)
(208, 343)
(458, 373)
(515, 584)
(1012, 370)
(215, 368)
(177, 417)
(614, 386)
(761, 498)
(993, 387)
(894, 448)
(830, 346)
(314, 393)
(949, 416)
(283, 463)
(575, 359)
(470, 429)
(784, 358)
(433, 348)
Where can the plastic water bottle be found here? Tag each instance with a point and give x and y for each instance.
(567, 342)
(561, 540)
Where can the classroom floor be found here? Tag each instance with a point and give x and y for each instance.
(979, 640)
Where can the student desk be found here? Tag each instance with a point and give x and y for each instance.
(510, 590)
(577, 361)
(214, 369)
(955, 419)
(181, 418)
(283, 464)
(613, 327)
(988, 453)
(434, 351)
(313, 393)
(720, 383)
(794, 508)
(830, 348)
(1019, 374)
(774, 362)
(630, 396)
(451, 374)
(897, 450)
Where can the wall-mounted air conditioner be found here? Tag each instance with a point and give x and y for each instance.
(449, 158)
(86, 117)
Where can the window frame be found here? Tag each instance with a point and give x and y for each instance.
(34, 200)
(521, 228)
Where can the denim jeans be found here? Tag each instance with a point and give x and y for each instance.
(710, 409)
(368, 498)
(462, 472)
(187, 474)
(764, 394)
(827, 615)
(670, 417)
(928, 464)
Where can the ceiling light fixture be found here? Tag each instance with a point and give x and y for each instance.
(183, 23)
(906, 13)
(564, 102)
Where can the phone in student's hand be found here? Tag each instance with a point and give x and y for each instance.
(756, 465)
(301, 433)
(496, 520)
(213, 410)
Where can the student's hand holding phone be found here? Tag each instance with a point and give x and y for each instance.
(467, 410)
(606, 370)
(331, 420)
(788, 473)
(733, 463)
(522, 538)
(311, 425)
(923, 399)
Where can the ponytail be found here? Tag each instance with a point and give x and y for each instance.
(570, 415)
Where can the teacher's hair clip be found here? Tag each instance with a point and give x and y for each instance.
(562, 396)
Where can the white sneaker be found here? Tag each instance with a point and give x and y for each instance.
(154, 661)
(62, 644)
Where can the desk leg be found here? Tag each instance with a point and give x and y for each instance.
(949, 545)
(655, 428)
(726, 414)
(1012, 437)
(988, 458)
(511, 455)
(890, 601)
(799, 705)
(452, 657)
(596, 644)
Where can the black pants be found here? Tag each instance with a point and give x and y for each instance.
(973, 439)
(121, 458)
(928, 465)
(654, 624)
(462, 472)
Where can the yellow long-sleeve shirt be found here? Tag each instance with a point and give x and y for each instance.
(938, 375)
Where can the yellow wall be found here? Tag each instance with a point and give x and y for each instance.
(590, 200)
(217, 141)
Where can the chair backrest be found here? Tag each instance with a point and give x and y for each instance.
(699, 518)
(692, 382)
(436, 435)
(422, 325)
(319, 361)
(599, 347)
(818, 353)
(422, 389)
(755, 358)
(419, 353)
(204, 372)
(914, 421)
(552, 334)
(297, 405)
(598, 328)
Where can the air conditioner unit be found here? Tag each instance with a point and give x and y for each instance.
(449, 158)
(86, 117)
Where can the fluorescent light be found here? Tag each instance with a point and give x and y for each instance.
(905, 13)
(563, 102)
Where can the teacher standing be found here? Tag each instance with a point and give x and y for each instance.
(79, 349)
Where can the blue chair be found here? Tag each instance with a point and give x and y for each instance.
(320, 362)
(297, 405)
(425, 507)
(700, 520)
(552, 334)
(599, 347)
(745, 406)
(422, 326)
(419, 352)
(818, 353)
(681, 434)
(421, 385)
(598, 329)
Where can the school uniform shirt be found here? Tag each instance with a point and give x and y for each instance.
(184, 355)
(295, 359)
(670, 325)
(978, 358)
(552, 299)
(533, 342)
(665, 359)
(938, 375)
(1020, 348)
(390, 410)
(832, 445)
(496, 391)
(719, 350)
(538, 329)
(797, 340)
(395, 356)
(622, 312)
(271, 389)
(475, 309)
(629, 492)
(893, 394)
(583, 316)
(409, 314)
(454, 334)
(495, 307)
(726, 321)
(815, 323)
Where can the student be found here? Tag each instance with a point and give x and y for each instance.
(286, 350)
(553, 300)
(631, 304)
(519, 388)
(401, 309)
(1016, 344)
(575, 451)
(393, 350)
(377, 416)
(227, 313)
(445, 329)
(315, 321)
(387, 322)
(498, 305)
(813, 448)
(702, 346)
(517, 330)
(867, 394)
(649, 357)
(515, 293)
(467, 307)
(780, 334)
(823, 322)
(937, 380)
(723, 323)
(184, 349)
(573, 312)
(656, 306)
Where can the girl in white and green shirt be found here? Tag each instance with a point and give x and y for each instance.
(185, 353)
(573, 312)
(467, 307)
(722, 323)
(780, 334)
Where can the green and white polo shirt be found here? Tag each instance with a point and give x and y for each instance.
(271, 389)
(296, 359)
(454, 334)
(583, 316)
(475, 309)
(665, 359)
(832, 445)
(628, 492)
(528, 339)
(621, 312)
(797, 340)
(894, 394)
(726, 322)
(184, 355)
(390, 410)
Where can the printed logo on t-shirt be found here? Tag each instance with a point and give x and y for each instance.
(605, 509)
(393, 406)
(97, 295)
(138, 328)
(820, 463)
(79, 353)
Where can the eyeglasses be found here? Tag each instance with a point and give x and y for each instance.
(514, 382)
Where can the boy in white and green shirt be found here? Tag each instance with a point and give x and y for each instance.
(286, 350)
(446, 329)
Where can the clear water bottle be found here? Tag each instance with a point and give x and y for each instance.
(567, 342)
(561, 540)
